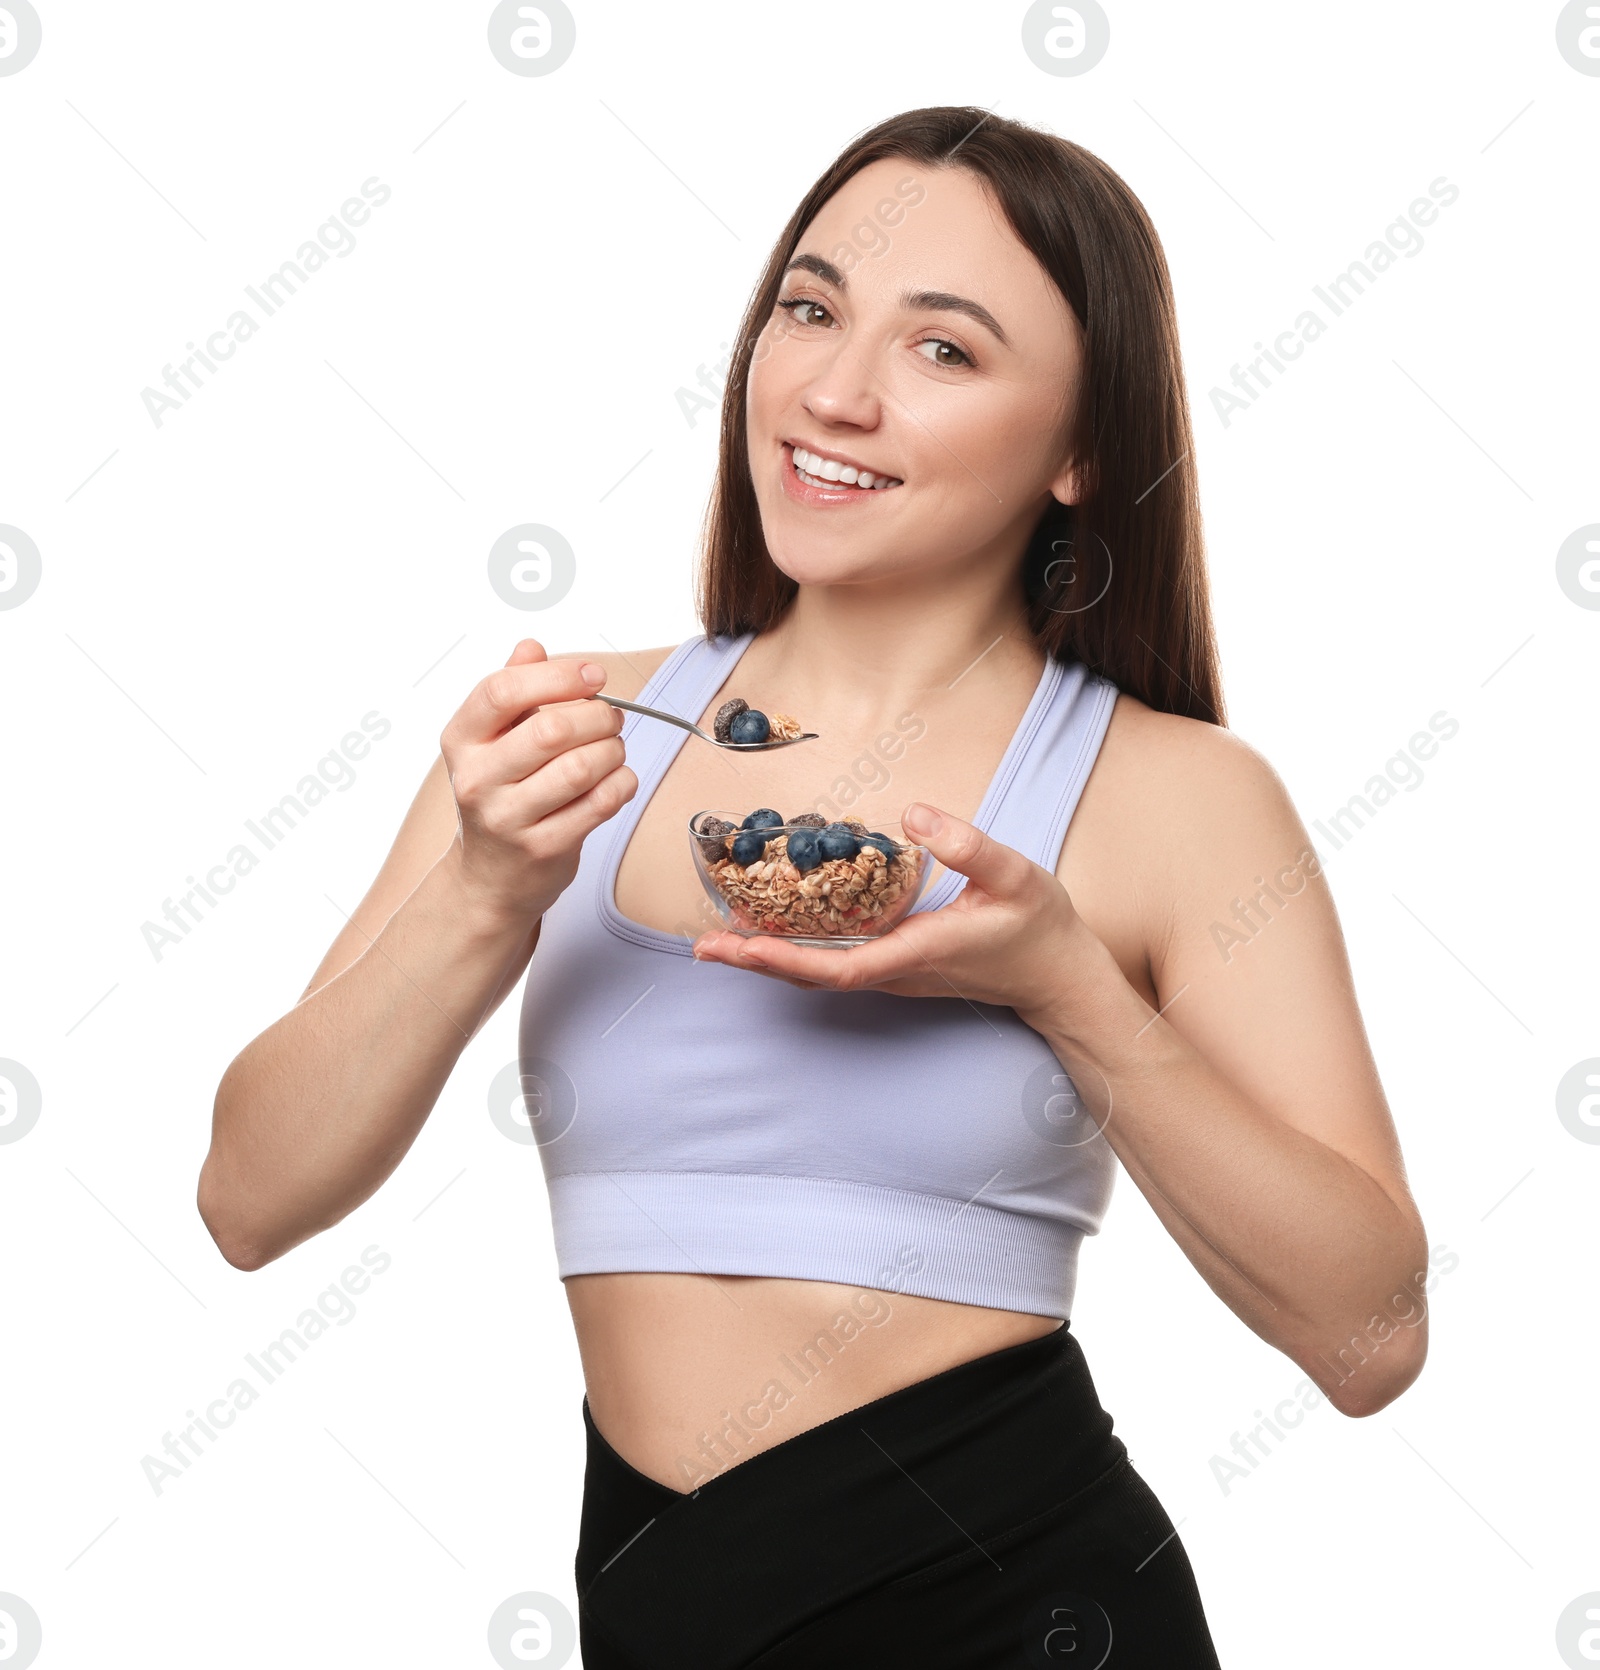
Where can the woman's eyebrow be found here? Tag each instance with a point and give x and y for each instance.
(912, 300)
(942, 300)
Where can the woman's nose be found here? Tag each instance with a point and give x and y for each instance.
(847, 390)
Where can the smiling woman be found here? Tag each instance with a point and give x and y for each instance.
(955, 500)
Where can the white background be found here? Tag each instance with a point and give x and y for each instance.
(305, 541)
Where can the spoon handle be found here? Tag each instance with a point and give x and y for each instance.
(656, 713)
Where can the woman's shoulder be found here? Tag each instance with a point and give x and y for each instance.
(1185, 799)
(1180, 756)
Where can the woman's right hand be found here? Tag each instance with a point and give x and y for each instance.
(534, 768)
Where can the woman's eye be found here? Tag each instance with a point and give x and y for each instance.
(797, 310)
(803, 311)
(962, 357)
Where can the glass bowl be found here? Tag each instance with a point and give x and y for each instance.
(837, 902)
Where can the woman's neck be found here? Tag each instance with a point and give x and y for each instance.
(883, 650)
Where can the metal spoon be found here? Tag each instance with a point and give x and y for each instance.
(684, 724)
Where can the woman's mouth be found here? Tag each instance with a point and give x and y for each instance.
(817, 478)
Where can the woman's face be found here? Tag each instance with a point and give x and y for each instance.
(917, 339)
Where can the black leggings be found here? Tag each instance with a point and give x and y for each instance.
(984, 1517)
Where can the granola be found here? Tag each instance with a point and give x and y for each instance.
(737, 721)
(833, 897)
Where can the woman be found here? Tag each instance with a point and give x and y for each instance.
(818, 1210)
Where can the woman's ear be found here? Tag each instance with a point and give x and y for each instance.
(1066, 488)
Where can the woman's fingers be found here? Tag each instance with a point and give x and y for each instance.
(564, 778)
(530, 727)
(851, 968)
(738, 952)
(550, 733)
(564, 828)
(535, 767)
(512, 692)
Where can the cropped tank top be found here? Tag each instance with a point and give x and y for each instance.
(699, 1118)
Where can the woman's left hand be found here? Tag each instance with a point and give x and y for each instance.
(1010, 937)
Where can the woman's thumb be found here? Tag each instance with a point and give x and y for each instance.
(965, 848)
(921, 821)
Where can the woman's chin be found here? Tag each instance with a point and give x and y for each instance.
(842, 568)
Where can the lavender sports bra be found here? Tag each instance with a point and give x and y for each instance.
(695, 1117)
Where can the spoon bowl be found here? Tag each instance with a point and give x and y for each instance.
(694, 730)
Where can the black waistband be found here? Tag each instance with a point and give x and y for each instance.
(869, 1496)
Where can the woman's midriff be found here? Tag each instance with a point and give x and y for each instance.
(689, 1375)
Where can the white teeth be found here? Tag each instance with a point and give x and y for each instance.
(818, 471)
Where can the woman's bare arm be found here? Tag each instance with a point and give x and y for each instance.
(1250, 1113)
(313, 1115)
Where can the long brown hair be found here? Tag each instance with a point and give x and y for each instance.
(1117, 581)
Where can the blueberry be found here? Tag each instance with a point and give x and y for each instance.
(803, 850)
(883, 843)
(834, 840)
(749, 845)
(764, 818)
(749, 726)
